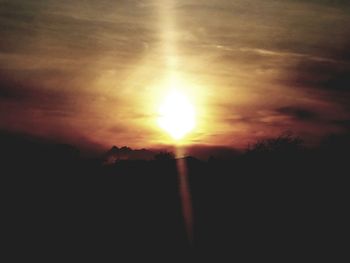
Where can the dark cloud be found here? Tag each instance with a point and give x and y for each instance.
(337, 3)
(11, 89)
(331, 76)
(339, 80)
(298, 113)
(23, 100)
(8, 93)
(343, 123)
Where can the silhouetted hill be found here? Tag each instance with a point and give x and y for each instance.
(126, 153)
(278, 201)
(25, 145)
(22, 148)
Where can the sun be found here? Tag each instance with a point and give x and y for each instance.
(177, 115)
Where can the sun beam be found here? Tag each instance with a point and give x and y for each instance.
(177, 115)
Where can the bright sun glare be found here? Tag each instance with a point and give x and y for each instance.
(177, 115)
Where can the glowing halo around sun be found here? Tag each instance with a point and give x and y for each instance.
(177, 115)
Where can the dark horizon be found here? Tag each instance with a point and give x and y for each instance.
(200, 151)
(277, 201)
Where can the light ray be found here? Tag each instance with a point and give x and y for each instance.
(185, 194)
(177, 113)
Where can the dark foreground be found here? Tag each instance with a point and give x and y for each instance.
(284, 205)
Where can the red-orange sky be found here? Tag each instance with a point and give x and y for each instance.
(95, 71)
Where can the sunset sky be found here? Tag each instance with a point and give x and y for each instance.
(97, 71)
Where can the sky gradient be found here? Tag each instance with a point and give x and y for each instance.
(95, 71)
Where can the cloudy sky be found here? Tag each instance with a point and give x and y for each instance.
(95, 71)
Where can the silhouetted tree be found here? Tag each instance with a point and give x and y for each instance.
(286, 143)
